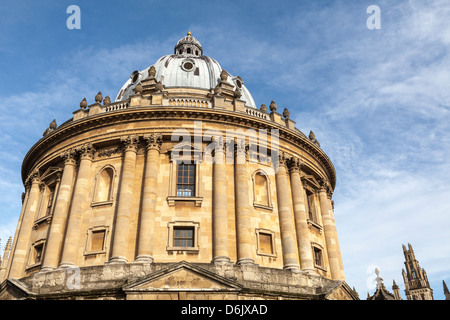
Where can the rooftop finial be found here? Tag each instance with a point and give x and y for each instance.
(189, 33)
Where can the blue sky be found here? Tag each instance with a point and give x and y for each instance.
(377, 100)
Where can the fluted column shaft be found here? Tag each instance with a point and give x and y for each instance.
(242, 195)
(26, 225)
(220, 208)
(74, 225)
(301, 224)
(288, 243)
(60, 213)
(331, 238)
(147, 218)
(125, 202)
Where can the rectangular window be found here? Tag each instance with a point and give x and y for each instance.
(185, 180)
(183, 237)
(265, 243)
(97, 240)
(317, 257)
(38, 252)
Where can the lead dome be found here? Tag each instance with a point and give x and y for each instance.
(187, 67)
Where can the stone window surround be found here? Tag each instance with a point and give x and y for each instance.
(31, 254)
(269, 196)
(87, 250)
(315, 245)
(170, 240)
(195, 158)
(50, 178)
(272, 236)
(317, 214)
(110, 200)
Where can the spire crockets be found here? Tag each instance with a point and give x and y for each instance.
(446, 292)
(417, 286)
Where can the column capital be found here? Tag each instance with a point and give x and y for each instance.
(154, 141)
(86, 151)
(33, 177)
(325, 186)
(241, 146)
(130, 142)
(295, 165)
(68, 156)
(283, 159)
(220, 144)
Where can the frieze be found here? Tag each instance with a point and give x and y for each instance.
(108, 152)
(93, 122)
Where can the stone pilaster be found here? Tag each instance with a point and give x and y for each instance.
(244, 232)
(60, 213)
(29, 215)
(147, 217)
(301, 216)
(220, 208)
(288, 243)
(74, 225)
(125, 202)
(329, 227)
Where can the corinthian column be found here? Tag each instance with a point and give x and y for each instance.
(329, 227)
(243, 227)
(74, 225)
(122, 223)
(60, 213)
(147, 218)
(220, 209)
(26, 225)
(301, 224)
(288, 244)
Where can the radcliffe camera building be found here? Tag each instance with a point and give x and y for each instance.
(179, 188)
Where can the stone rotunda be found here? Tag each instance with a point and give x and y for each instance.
(180, 188)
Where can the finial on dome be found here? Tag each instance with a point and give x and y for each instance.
(189, 33)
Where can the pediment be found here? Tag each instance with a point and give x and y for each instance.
(180, 277)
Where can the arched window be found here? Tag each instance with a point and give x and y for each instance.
(188, 50)
(261, 190)
(104, 185)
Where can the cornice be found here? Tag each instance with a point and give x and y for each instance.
(165, 113)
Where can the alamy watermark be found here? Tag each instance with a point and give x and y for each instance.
(374, 21)
(74, 20)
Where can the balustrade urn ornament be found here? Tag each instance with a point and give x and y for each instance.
(99, 97)
(313, 139)
(223, 75)
(237, 93)
(273, 106)
(263, 108)
(138, 89)
(107, 101)
(286, 113)
(50, 128)
(83, 104)
(159, 86)
(152, 72)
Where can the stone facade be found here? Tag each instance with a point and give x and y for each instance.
(106, 197)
